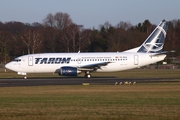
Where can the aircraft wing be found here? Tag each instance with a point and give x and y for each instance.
(93, 67)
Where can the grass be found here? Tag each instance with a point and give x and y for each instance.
(140, 101)
(157, 101)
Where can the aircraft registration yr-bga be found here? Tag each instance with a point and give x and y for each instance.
(72, 64)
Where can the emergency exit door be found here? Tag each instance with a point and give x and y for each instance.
(30, 60)
(136, 60)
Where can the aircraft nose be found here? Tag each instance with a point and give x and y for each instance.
(8, 66)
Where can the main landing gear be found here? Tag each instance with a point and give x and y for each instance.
(87, 74)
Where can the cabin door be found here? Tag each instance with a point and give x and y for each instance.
(30, 60)
(136, 60)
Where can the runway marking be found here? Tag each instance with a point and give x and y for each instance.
(85, 84)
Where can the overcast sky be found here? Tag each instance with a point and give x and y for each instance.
(91, 13)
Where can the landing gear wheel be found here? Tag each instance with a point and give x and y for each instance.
(87, 75)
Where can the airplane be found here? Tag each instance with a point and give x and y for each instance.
(72, 64)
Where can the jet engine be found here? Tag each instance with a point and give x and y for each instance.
(69, 71)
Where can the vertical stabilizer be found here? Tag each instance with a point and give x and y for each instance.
(155, 42)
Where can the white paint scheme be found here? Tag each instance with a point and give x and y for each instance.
(149, 52)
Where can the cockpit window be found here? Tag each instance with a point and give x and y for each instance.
(17, 59)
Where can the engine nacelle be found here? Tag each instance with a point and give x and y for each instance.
(69, 71)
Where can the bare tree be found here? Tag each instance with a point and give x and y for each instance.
(36, 40)
(62, 20)
(49, 20)
(72, 31)
(124, 25)
(32, 39)
(65, 41)
(26, 39)
(63, 23)
(83, 37)
(50, 37)
(75, 37)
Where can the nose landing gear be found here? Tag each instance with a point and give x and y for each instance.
(23, 73)
(25, 77)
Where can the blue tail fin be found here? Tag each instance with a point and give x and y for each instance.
(155, 42)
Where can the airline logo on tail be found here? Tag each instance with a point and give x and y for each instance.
(154, 43)
(153, 47)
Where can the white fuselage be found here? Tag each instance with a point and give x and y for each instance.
(52, 62)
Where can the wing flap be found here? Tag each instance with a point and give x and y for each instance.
(93, 67)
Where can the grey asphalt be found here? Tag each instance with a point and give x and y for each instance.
(79, 81)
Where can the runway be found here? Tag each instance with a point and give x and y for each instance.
(79, 81)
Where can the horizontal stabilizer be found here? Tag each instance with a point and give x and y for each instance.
(162, 53)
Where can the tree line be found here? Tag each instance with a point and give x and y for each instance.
(58, 33)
